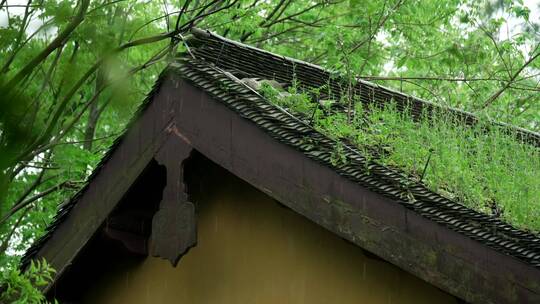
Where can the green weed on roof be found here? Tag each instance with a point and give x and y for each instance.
(484, 166)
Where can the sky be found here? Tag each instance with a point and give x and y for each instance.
(34, 24)
(512, 26)
(513, 23)
(533, 5)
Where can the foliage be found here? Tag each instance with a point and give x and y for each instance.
(483, 167)
(73, 72)
(23, 288)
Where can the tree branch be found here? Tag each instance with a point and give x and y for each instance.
(34, 198)
(496, 95)
(56, 43)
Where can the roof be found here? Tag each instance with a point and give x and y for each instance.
(215, 65)
(216, 58)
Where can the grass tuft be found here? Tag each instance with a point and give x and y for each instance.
(484, 167)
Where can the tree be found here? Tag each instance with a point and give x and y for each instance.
(72, 72)
(69, 86)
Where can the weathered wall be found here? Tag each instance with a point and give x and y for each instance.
(253, 250)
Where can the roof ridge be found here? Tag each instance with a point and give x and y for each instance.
(528, 136)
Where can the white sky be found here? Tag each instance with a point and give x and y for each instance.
(34, 24)
(507, 31)
(534, 6)
(512, 23)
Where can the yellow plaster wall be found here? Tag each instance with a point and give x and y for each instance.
(251, 250)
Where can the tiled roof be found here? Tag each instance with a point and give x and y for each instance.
(216, 65)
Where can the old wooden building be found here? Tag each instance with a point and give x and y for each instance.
(215, 195)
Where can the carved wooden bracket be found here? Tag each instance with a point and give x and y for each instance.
(174, 229)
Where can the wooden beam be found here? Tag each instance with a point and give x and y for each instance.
(128, 160)
(133, 242)
(174, 229)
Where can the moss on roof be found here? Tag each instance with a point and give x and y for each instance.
(482, 166)
(222, 70)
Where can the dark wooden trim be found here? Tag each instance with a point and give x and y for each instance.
(440, 256)
(174, 229)
(135, 243)
(138, 147)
